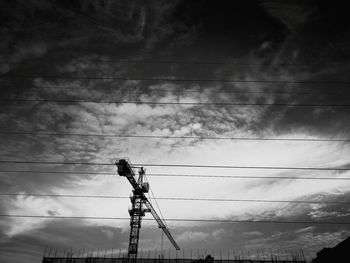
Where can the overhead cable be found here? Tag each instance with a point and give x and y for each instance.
(137, 165)
(178, 199)
(44, 133)
(70, 101)
(197, 62)
(180, 219)
(170, 79)
(180, 175)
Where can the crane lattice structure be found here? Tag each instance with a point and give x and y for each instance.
(139, 201)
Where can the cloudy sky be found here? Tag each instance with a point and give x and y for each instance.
(211, 83)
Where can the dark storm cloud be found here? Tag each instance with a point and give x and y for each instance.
(317, 30)
(313, 39)
(31, 29)
(292, 14)
(36, 28)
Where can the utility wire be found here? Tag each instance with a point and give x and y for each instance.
(29, 76)
(183, 175)
(160, 211)
(43, 133)
(178, 199)
(57, 163)
(181, 219)
(137, 165)
(154, 198)
(232, 90)
(70, 101)
(252, 177)
(197, 62)
(246, 167)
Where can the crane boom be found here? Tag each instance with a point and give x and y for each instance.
(161, 224)
(139, 199)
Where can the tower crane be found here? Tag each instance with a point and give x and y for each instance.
(140, 205)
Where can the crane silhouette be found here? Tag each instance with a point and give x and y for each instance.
(140, 205)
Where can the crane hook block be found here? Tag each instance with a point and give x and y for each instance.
(145, 187)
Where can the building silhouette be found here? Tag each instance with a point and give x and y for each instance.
(70, 258)
(338, 254)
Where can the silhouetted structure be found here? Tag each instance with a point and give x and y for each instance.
(139, 201)
(208, 259)
(107, 256)
(338, 254)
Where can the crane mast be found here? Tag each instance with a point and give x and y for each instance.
(137, 211)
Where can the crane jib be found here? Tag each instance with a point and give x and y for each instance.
(161, 224)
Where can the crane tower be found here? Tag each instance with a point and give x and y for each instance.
(140, 205)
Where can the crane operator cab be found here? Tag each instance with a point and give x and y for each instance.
(123, 167)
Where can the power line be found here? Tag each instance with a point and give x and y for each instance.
(154, 198)
(181, 219)
(57, 172)
(137, 165)
(160, 211)
(185, 175)
(197, 62)
(177, 199)
(41, 133)
(57, 163)
(232, 90)
(176, 103)
(246, 167)
(26, 76)
(251, 177)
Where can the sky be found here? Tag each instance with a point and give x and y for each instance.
(204, 69)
